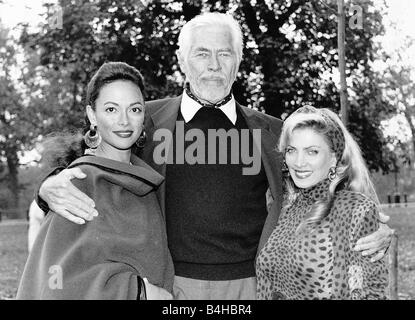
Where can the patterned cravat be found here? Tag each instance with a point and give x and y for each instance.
(215, 105)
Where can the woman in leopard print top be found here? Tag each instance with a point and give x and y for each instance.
(330, 204)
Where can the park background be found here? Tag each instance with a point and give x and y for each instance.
(50, 49)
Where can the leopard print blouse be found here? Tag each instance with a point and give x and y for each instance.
(320, 263)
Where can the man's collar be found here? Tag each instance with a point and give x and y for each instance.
(190, 107)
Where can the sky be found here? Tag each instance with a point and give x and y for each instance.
(399, 22)
(14, 11)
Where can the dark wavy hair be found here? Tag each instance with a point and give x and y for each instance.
(60, 149)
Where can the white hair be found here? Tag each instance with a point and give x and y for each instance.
(211, 19)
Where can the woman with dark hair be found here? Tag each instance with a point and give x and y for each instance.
(330, 203)
(122, 253)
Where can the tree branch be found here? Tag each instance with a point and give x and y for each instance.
(282, 18)
(251, 19)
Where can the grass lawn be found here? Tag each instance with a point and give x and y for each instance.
(13, 252)
(403, 221)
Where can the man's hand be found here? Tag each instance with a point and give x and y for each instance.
(156, 293)
(378, 242)
(67, 200)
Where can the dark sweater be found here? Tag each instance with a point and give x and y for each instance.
(214, 213)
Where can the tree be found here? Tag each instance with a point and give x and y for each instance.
(400, 91)
(289, 55)
(14, 119)
(342, 59)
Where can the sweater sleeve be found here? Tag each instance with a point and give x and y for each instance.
(39, 201)
(367, 280)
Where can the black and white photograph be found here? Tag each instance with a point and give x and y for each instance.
(219, 151)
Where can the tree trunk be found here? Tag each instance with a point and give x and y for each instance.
(408, 117)
(342, 60)
(13, 180)
(274, 100)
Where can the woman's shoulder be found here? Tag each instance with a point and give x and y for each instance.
(138, 177)
(87, 166)
(353, 199)
(86, 184)
(356, 205)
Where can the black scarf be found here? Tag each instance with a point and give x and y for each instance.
(204, 104)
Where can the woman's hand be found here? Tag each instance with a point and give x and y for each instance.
(156, 293)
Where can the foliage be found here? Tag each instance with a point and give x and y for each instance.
(290, 56)
(297, 49)
(400, 91)
(16, 125)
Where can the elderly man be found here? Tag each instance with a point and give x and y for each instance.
(215, 212)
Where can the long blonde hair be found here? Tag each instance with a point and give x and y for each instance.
(351, 171)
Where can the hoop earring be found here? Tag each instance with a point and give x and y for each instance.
(92, 138)
(285, 170)
(332, 173)
(141, 141)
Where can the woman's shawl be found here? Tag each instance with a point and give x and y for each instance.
(101, 259)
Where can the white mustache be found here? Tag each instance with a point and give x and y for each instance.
(214, 78)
